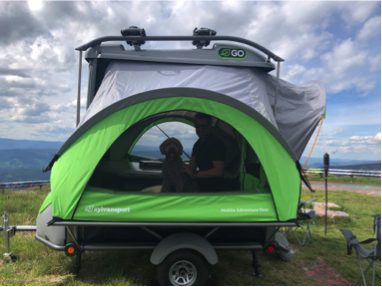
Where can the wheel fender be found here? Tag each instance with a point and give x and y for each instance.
(184, 240)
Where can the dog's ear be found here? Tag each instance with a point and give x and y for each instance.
(162, 146)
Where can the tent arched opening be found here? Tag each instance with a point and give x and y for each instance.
(84, 150)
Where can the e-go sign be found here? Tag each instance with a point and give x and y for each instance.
(229, 53)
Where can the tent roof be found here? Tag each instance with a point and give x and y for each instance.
(248, 89)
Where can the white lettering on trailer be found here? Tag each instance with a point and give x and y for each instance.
(244, 209)
(91, 208)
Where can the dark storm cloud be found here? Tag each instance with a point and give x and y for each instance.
(16, 22)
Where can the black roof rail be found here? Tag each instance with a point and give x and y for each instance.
(181, 38)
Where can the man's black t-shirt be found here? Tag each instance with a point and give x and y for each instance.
(212, 149)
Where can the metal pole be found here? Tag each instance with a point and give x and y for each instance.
(277, 88)
(326, 167)
(6, 234)
(79, 90)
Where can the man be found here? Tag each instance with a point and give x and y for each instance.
(208, 155)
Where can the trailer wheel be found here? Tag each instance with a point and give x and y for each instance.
(183, 268)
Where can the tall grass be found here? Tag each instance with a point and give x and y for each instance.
(40, 265)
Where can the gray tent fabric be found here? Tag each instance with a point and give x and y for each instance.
(299, 108)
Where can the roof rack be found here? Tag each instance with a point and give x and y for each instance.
(181, 38)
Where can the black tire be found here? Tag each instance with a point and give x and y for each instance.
(188, 258)
(15, 258)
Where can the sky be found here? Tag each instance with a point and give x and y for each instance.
(337, 43)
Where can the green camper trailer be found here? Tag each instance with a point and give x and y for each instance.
(96, 200)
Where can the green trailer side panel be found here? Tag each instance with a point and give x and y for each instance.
(171, 207)
(47, 201)
(73, 169)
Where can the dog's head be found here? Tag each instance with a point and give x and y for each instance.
(172, 148)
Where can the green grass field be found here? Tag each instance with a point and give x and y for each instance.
(40, 265)
(359, 180)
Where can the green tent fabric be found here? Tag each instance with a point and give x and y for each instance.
(72, 171)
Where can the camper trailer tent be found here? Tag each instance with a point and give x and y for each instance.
(96, 183)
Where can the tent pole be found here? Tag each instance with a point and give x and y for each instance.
(79, 90)
(318, 132)
(277, 89)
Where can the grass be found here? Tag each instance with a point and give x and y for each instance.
(345, 179)
(40, 265)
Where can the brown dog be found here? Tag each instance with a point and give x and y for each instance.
(174, 179)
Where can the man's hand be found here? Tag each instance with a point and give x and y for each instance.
(187, 169)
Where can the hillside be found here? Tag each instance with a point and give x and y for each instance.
(24, 164)
(336, 162)
(23, 160)
(153, 152)
(371, 166)
(28, 144)
(27, 158)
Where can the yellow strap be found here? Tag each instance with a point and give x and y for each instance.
(319, 128)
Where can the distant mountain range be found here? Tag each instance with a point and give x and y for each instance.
(153, 152)
(337, 163)
(28, 144)
(23, 160)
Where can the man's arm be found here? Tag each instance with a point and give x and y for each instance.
(216, 171)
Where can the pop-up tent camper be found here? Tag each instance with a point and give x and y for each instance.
(265, 123)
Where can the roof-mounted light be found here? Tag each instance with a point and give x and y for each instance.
(134, 31)
(202, 32)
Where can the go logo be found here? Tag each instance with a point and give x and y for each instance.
(228, 53)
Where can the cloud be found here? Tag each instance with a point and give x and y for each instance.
(343, 68)
(38, 63)
(16, 23)
(5, 104)
(353, 144)
(375, 63)
(183, 132)
(370, 29)
(14, 72)
(340, 132)
(35, 109)
(366, 139)
(55, 130)
(355, 13)
(69, 106)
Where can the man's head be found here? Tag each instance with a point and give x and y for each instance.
(203, 125)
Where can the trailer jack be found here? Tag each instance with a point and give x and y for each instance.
(255, 264)
(10, 231)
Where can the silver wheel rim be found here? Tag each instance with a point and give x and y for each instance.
(182, 273)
